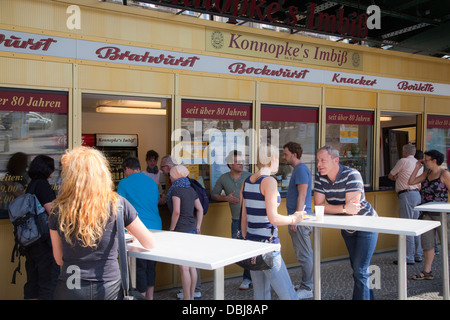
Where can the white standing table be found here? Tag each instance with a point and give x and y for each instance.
(443, 208)
(400, 227)
(199, 251)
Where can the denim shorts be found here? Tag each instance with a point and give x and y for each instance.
(145, 274)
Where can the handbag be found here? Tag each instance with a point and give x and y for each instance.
(128, 293)
(257, 263)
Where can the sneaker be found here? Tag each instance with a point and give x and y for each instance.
(197, 295)
(246, 284)
(304, 294)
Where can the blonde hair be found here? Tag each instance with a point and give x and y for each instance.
(86, 196)
(179, 172)
(267, 156)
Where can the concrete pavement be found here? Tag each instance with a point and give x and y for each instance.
(337, 282)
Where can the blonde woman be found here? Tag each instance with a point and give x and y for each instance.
(260, 200)
(83, 228)
(182, 199)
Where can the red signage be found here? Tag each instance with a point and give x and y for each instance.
(438, 122)
(289, 114)
(349, 117)
(88, 140)
(31, 43)
(361, 81)
(215, 110)
(36, 101)
(280, 13)
(424, 87)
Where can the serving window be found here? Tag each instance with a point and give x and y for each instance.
(351, 132)
(296, 124)
(210, 130)
(32, 123)
(438, 135)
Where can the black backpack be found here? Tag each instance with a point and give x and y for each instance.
(202, 194)
(30, 221)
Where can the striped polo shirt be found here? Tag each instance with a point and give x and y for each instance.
(259, 227)
(347, 180)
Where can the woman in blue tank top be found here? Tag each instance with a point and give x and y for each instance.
(260, 200)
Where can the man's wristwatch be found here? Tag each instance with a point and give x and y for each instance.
(343, 209)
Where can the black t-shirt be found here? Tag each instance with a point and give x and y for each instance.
(95, 264)
(42, 189)
(187, 221)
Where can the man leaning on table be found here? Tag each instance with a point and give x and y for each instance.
(408, 198)
(341, 190)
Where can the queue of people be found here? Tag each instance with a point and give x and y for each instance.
(83, 228)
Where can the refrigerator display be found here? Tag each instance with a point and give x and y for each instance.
(116, 148)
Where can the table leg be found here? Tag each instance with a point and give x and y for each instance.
(219, 287)
(317, 256)
(402, 293)
(132, 267)
(444, 251)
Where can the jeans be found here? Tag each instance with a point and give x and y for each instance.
(235, 226)
(89, 290)
(361, 246)
(277, 277)
(42, 272)
(301, 241)
(406, 203)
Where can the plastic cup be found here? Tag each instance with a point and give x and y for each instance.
(319, 210)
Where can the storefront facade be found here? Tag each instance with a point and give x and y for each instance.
(213, 78)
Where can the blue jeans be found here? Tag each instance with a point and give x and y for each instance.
(277, 277)
(361, 246)
(406, 203)
(89, 290)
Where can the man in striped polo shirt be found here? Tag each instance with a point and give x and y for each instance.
(341, 190)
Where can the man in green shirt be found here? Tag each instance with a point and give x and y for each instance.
(231, 183)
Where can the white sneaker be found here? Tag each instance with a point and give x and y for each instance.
(246, 284)
(197, 295)
(304, 294)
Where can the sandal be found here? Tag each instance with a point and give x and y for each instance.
(423, 275)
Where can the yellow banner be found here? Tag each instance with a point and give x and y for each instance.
(284, 50)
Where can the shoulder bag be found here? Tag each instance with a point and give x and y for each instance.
(128, 294)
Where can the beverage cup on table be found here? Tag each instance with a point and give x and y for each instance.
(319, 212)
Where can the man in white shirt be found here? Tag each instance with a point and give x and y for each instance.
(408, 198)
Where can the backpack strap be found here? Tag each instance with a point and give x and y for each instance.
(17, 269)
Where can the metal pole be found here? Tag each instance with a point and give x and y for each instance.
(402, 293)
(132, 264)
(444, 250)
(219, 279)
(317, 254)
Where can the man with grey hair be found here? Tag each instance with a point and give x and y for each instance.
(167, 162)
(408, 198)
(340, 189)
